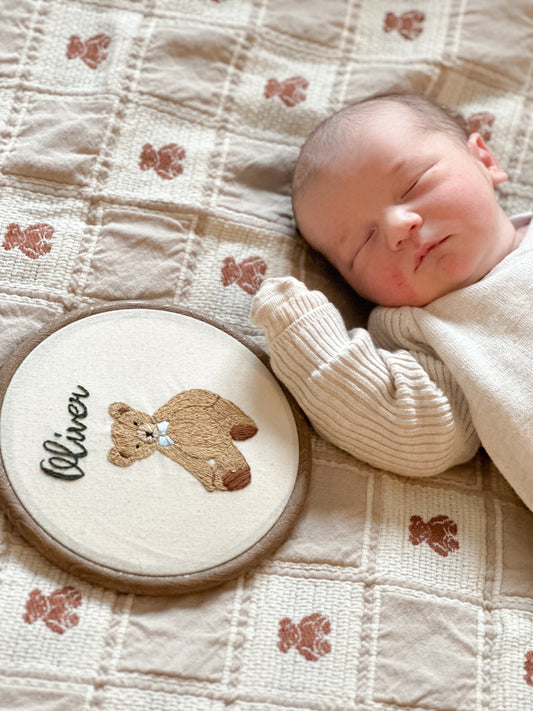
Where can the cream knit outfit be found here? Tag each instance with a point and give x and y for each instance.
(417, 391)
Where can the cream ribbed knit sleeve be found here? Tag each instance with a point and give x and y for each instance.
(397, 410)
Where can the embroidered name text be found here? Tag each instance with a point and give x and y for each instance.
(63, 464)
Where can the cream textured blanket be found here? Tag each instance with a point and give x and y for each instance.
(146, 149)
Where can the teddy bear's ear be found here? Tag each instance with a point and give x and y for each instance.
(115, 457)
(116, 409)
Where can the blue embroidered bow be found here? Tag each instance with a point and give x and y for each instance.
(164, 439)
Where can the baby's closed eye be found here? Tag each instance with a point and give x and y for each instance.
(366, 239)
(411, 187)
(415, 182)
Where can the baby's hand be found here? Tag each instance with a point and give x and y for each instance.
(277, 290)
(280, 301)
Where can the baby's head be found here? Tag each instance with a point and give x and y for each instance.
(397, 195)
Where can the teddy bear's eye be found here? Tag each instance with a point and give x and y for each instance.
(136, 424)
(137, 446)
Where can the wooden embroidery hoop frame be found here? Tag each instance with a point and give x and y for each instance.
(126, 582)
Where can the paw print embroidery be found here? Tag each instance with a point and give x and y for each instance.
(410, 24)
(167, 161)
(308, 636)
(55, 610)
(481, 123)
(34, 241)
(290, 91)
(93, 51)
(248, 274)
(528, 668)
(439, 533)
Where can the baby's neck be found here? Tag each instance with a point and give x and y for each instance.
(520, 233)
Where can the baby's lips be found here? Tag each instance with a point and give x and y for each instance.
(423, 251)
(420, 253)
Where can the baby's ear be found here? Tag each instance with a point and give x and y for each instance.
(481, 152)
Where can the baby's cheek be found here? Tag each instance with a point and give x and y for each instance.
(392, 288)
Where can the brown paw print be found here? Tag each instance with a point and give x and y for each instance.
(55, 610)
(34, 241)
(528, 668)
(439, 533)
(308, 636)
(248, 274)
(167, 161)
(410, 24)
(481, 123)
(290, 91)
(93, 51)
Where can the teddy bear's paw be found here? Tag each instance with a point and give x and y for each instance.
(241, 432)
(237, 479)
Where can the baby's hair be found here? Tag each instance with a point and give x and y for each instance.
(332, 135)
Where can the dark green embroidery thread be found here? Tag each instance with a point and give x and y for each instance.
(63, 464)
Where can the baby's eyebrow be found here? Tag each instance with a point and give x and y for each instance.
(398, 166)
(342, 243)
(341, 240)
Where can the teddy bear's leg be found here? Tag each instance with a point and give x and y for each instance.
(232, 470)
(199, 468)
(233, 419)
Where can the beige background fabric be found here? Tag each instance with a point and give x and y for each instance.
(146, 148)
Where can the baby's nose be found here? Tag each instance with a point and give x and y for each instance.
(401, 225)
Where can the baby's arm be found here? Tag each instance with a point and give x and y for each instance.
(381, 406)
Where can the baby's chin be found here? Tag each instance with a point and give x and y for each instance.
(406, 297)
(395, 292)
(452, 273)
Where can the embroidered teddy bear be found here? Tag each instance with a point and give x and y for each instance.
(195, 428)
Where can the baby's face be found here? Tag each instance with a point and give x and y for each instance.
(406, 215)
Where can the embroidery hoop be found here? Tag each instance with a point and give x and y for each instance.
(24, 512)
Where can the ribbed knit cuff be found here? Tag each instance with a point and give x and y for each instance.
(280, 302)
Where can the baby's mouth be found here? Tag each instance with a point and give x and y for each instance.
(422, 252)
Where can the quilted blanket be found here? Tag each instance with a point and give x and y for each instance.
(146, 150)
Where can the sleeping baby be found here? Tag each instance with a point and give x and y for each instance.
(400, 198)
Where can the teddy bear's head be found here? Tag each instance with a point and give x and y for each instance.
(134, 433)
